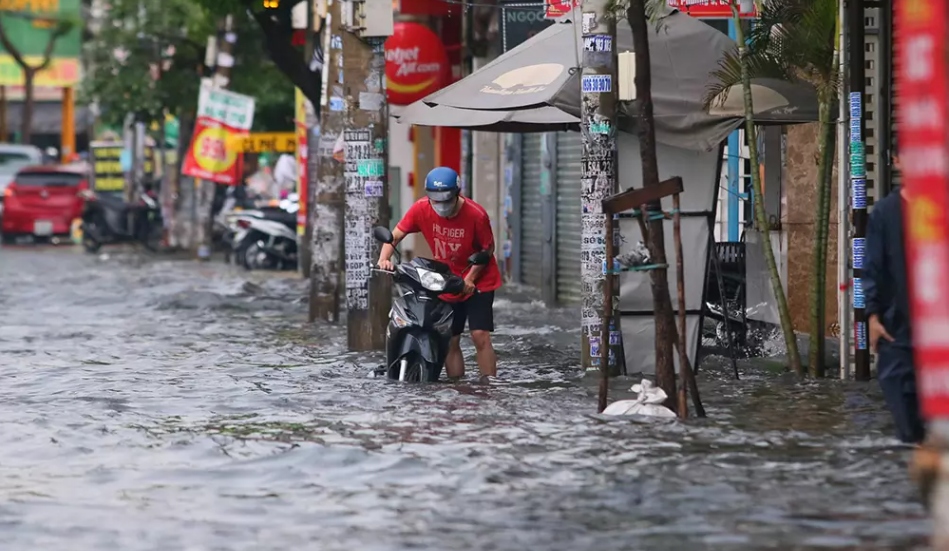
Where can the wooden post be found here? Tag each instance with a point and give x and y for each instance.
(659, 280)
(608, 309)
(328, 192)
(598, 127)
(68, 127)
(686, 375)
(368, 299)
(628, 200)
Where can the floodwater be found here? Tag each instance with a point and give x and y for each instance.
(150, 404)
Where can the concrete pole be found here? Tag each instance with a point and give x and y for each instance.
(368, 299)
(598, 129)
(325, 216)
(204, 197)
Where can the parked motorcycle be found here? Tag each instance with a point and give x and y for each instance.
(106, 219)
(419, 322)
(231, 230)
(261, 244)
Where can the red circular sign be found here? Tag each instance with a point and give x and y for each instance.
(416, 63)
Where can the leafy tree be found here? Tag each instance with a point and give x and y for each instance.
(148, 56)
(58, 28)
(276, 35)
(793, 40)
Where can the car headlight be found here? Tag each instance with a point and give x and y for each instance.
(431, 280)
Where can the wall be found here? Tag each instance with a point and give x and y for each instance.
(800, 177)
(401, 155)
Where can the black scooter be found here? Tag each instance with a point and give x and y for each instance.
(106, 219)
(420, 323)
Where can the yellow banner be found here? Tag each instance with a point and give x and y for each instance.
(62, 72)
(281, 142)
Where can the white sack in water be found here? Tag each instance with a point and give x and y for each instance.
(648, 402)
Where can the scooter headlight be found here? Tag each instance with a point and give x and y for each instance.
(431, 280)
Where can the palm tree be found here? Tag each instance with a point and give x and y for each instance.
(793, 40)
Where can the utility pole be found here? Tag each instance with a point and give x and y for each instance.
(598, 128)
(325, 214)
(368, 299)
(352, 192)
(204, 196)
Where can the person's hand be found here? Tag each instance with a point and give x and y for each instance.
(469, 288)
(877, 332)
(386, 265)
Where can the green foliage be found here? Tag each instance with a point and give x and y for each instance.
(175, 32)
(792, 40)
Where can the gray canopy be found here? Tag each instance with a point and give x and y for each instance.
(536, 86)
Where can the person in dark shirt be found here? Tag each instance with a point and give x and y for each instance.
(887, 306)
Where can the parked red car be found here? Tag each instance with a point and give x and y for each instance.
(42, 201)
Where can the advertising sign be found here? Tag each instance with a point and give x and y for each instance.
(29, 31)
(263, 142)
(714, 9)
(108, 174)
(559, 8)
(416, 63)
(921, 26)
(223, 116)
(301, 105)
(521, 21)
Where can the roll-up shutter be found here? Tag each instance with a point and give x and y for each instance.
(531, 228)
(568, 217)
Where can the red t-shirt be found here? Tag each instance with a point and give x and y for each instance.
(453, 240)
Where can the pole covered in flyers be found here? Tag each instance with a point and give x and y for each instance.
(923, 81)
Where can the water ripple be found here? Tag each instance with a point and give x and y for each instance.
(151, 404)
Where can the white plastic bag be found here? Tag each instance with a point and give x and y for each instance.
(648, 402)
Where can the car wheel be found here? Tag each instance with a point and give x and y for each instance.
(7, 238)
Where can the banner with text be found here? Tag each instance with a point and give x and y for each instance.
(223, 116)
(107, 173)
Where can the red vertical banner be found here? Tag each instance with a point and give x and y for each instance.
(300, 122)
(921, 27)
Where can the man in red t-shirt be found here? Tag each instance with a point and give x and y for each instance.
(456, 227)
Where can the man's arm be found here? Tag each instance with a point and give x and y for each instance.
(405, 226)
(388, 248)
(485, 236)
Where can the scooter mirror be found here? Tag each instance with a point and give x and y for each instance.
(382, 234)
(479, 258)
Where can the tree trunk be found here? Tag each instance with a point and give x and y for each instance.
(26, 124)
(826, 146)
(659, 279)
(761, 219)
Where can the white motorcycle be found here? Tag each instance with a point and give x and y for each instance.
(261, 244)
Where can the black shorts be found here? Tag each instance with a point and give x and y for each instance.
(477, 311)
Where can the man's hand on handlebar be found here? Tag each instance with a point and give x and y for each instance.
(386, 265)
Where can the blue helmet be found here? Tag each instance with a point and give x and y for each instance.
(442, 188)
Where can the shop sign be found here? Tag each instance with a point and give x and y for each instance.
(416, 63)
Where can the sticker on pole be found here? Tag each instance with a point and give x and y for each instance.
(596, 84)
(859, 252)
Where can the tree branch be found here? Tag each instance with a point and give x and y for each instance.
(61, 29)
(10, 48)
(288, 60)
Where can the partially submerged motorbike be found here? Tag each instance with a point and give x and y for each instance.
(419, 327)
(109, 219)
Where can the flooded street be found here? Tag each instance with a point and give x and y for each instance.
(151, 404)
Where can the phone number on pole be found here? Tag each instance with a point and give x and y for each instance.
(593, 84)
